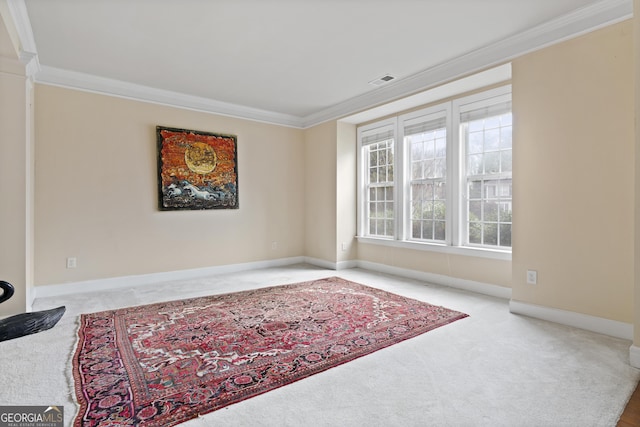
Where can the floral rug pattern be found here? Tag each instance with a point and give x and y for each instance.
(163, 364)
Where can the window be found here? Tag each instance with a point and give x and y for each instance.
(378, 150)
(425, 142)
(441, 176)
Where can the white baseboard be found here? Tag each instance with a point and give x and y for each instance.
(634, 356)
(321, 263)
(583, 321)
(144, 279)
(341, 265)
(439, 279)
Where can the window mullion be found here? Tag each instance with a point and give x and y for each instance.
(455, 218)
(400, 158)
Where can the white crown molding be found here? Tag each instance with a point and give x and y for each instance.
(589, 18)
(96, 84)
(582, 21)
(22, 24)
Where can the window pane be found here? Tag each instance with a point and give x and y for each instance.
(439, 230)
(506, 161)
(475, 211)
(388, 210)
(416, 229)
(389, 193)
(490, 234)
(427, 230)
(474, 164)
(505, 235)
(476, 125)
(475, 189)
(416, 209)
(490, 211)
(475, 233)
(505, 212)
(492, 163)
(492, 122)
(382, 158)
(389, 227)
(416, 170)
(380, 227)
(373, 158)
(439, 168)
(505, 137)
(439, 210)
(427, 212)
(440, 191)
(373, 175)
(429, 149)
(428, 169)
(476, 143)
(441, 147)
(417, 151)
(492, 140)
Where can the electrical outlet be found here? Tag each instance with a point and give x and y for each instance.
(532, 277)
(274, 246)
(72, 262)
(344, 246)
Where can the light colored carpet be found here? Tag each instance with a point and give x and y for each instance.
(490, 369)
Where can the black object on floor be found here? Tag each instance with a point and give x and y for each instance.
(26, 323)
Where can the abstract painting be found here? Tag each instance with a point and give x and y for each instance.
(196, 170)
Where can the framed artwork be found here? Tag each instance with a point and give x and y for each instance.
(196, 170)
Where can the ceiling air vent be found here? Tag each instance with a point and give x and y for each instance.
(382, 80)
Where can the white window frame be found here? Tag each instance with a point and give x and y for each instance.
(362, 179)
(424, 115)
(460, 106)
(456, 220)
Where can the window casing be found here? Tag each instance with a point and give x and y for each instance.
(440, 177)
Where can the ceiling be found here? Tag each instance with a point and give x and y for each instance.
(291, 62)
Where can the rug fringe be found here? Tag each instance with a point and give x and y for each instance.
(71, 388)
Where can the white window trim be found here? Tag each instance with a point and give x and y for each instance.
(462, 105)
(403, 150)
(362, 171)
(455, 217)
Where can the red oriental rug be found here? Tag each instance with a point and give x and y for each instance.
(163, 364)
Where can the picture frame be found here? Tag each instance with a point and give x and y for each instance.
(197, 170)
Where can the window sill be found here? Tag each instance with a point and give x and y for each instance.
(435, 247)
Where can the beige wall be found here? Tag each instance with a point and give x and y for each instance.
(573, 174)
(477, 269)
(96, 191)
(320, 192)
(346, 197)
